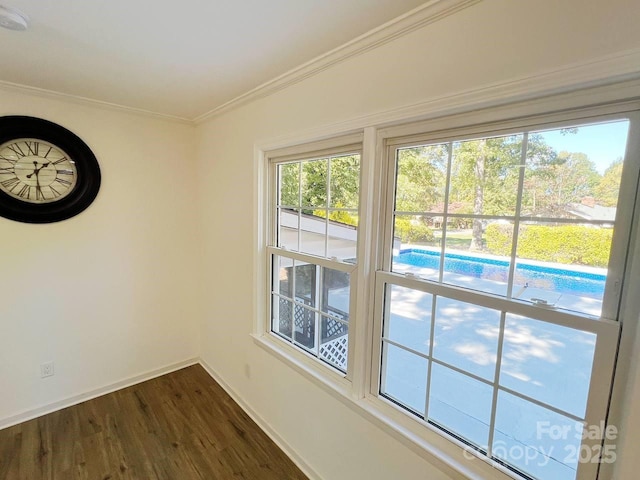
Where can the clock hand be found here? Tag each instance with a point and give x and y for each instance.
(35, 163)
(37, 170)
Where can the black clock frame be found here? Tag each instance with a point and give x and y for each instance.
(88, 171)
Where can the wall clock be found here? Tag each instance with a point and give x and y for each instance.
(47, 173)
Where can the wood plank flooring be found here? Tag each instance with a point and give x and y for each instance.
(181, 426)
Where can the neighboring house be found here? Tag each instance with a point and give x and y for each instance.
(589, 210)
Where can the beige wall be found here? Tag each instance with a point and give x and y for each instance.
(491, 42)
(111, 293)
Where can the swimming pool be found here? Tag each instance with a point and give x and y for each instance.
(561, 280)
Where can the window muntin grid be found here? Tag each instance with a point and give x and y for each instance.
(513, 168)
(317, 206)
(598, 337)
(314, 251)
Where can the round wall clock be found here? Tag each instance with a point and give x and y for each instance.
(47, 173)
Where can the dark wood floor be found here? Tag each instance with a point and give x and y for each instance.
(181, 426)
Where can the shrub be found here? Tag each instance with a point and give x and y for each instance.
(498, 238)
(338, 216)
(571, 244)
(413, 231)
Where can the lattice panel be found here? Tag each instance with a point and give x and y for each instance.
(332, 329)
(336, 352)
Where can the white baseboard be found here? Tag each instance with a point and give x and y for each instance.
(264, 426)
(83, 397)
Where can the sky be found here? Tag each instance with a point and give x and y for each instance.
(603, 143)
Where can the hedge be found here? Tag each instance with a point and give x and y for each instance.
(572, 244)
(413, 231)
(338, 216)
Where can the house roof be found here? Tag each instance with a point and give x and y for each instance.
(595, 212)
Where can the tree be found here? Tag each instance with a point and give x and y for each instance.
(484, 175)
(421, 177)
(573, 179)
(305, 184)
(606, 192)
(541, 158)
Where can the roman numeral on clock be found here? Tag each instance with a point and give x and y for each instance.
(11, 183)
(33, 147)
(25, 192)
(15, 148)
(64, 182)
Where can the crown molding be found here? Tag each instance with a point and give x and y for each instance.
(79, 100)
(430, 12)
(620, 70)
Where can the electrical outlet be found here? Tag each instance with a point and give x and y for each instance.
(46, 369)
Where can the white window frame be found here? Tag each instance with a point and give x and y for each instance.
(330, 148)
(357, 390)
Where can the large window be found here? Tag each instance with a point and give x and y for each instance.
(499, 288)
(484, 274)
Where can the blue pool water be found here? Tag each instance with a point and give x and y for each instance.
(560, 280)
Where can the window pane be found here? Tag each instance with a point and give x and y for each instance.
(282, 276)
(460, 404)
(345, 181)
(468, 262)
(289, 182)
(335, 293)
(484, 175)
(343, 235)
(313, 235)
(563, 265)
(409, 318)
(466, 336)
(304, 333)
(548, 362)
(305, 283)
(314, 183)
(575, 172)
(535, 440)
(288, 228)
(421, 178)
(416, 248)
(404, 377)
(281, 316)
(334, 342)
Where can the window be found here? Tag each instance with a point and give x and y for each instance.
(499, 290)
(313, 254)
(476, 295)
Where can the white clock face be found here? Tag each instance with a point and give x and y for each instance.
(35, 171)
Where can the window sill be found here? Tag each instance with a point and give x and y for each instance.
(446, 454)
(331, 380)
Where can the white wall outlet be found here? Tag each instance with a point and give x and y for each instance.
(46, 369)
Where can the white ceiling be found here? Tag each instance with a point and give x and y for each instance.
(184, 58)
